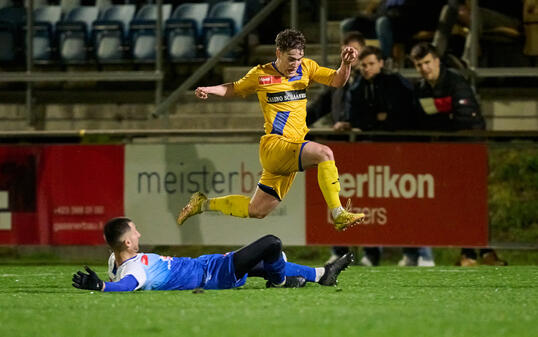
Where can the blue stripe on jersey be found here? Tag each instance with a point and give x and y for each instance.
(280, 122)
(278, 71)
(299, 74)
(301, 152)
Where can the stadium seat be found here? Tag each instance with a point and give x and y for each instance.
(110, 33)
(184, 31)
(43, 42)
(11, 21)
(224, 21)
(142, 32)
(5, 3)
(74, 32)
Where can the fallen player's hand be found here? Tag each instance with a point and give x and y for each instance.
(88, 281)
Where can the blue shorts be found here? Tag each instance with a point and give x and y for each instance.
(220, 272)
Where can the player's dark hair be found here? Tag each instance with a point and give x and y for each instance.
(354, 36)
(289, 39)
(371, 50)
(114, 230)
(420, 50)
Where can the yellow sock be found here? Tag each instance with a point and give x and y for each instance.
(235, 205)
(329, 184)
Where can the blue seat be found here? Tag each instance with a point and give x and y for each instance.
(5, 3)
(43, 41)
(111, 31)
(74, 33)
(11, 21)
(224, 21)
(183, 31)
(142, 30)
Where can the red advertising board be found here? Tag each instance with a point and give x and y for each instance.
(413, 194)
(59, 194)
(81, 187)
(18, 205)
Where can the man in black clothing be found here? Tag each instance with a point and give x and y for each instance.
(448, 103)
(378, 100)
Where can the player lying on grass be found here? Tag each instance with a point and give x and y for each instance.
(281, 88)
(130, 270)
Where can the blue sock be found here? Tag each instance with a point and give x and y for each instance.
(293, 269)
(275, 270)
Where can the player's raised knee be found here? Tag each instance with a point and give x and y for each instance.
(325, 153)
(273, 241)
(257, 213)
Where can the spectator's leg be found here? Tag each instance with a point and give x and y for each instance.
(425, 257)
(489, 257)
(383, 28)
(467, 258)
(372, 255)
(447, 19)
(410, 257)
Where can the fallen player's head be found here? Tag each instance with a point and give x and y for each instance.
(121, 234)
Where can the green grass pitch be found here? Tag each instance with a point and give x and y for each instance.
(382, 301)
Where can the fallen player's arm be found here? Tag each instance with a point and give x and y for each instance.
(127, 283)
(91, 281)
(349, 55)
(223, 90)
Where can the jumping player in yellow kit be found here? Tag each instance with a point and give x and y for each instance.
(281, 89)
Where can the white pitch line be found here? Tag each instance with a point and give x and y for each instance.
(22, 275)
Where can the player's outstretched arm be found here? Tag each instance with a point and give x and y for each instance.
(349, 55)
(223, 90)
(91, 281)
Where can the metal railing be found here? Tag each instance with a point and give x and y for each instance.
(350, 135)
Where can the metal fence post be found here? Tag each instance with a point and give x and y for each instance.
(31, 117)
(293, 14)
(323, 31)
(159, 59)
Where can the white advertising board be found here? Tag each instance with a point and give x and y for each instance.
(160, 178)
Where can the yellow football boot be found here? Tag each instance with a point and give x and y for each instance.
(193, 207)
(346, 219)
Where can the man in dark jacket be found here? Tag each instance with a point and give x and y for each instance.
(379, 100)
(448, 103)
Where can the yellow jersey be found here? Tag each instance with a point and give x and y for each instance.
(283, 99)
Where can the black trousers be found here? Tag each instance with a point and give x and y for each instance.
(249, 259)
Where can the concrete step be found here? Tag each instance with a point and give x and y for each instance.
(341, 9)
(332, 59)
(509, 114)
(217, 121)
(311, 31)
(243, 107)
(311, 48)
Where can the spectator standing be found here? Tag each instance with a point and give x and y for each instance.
(381, 100)
(447, 103)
